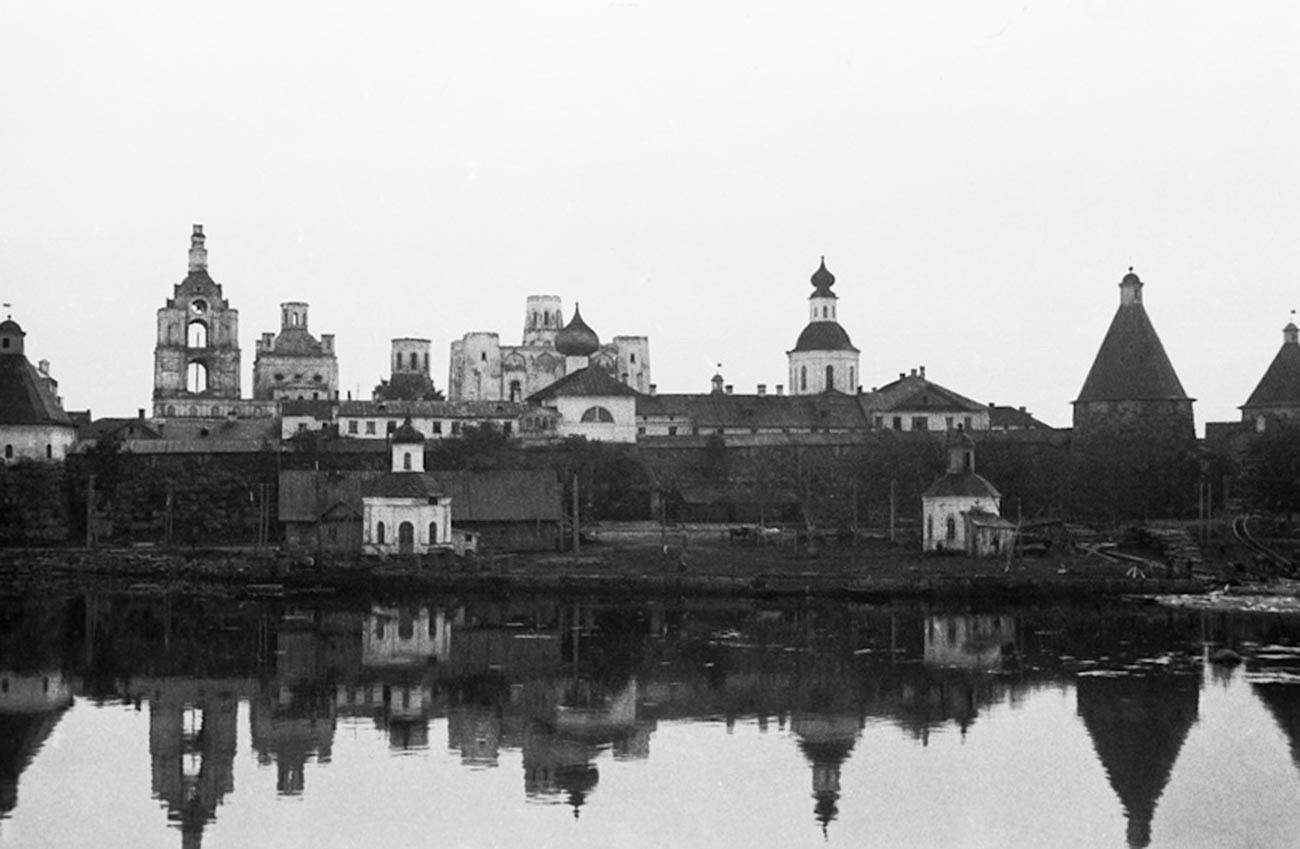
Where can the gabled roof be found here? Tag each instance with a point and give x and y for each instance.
(1280, 385)
(401, 485)
(126, 428)
(24, 399)
(966, 485)
(1131, 364)
(433, 409)
(831, 410)
(1011, 418)
(589, 382)
(914, 392)
(476, 496)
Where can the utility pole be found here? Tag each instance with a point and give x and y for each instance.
(577, 533)
(892, 512)
(90, 511)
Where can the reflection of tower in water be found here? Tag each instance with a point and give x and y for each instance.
(826, 741)
(192, 743)
(1138, 724)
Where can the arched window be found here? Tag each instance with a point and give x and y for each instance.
(803, 378)
(49, 451)
(952, 529)
(171, 410)
(379, 533)
(826, 312)
(9, 452)
(433, 540)
(598, 414)
(929, 527)
(852, 383)
(216, 412)
(426, 362)
(830, 377)
(196, 378)
(397, 361)
(197, 335)
(415, 361)
(406, 461)
(515, 391)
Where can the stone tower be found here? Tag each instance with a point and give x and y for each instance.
(543, 318)
(294, 365)
(196, 358)
(823, 359)
(1277, 396)
(1133, 425)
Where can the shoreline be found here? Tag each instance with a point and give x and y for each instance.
(718, 572)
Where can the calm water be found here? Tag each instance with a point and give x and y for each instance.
(152, 721)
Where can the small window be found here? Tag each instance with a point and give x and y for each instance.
(640, 431)
(672, 430)
(406, 461)
(379, 538)
(390, 427)
(9, 452)
(317, 378)
(352, 425)
(437, 428)
(898, 422)
(952, 529)
(49, 451)
(631, 358)
(370, 428)
(279, 377)
(455, 428)
(947, 422)
(482, 356)
(920, 423)
(879, 422)
(967, 422)
(302, 427)
(803, 378)
(507, 428)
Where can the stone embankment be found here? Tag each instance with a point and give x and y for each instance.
(718, 569)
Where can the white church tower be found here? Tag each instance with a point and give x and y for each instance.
(824, 359)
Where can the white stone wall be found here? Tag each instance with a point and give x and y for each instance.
(621, 407)
(935, 513)
(978, 420)
(377, 426)
(384, 645)
(43, 442)
(297, 377)
(393, 511)
(633, 361)
(846, 373)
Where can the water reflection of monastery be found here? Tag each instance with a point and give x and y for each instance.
(564, 688)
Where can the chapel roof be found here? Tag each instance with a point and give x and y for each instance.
(824, 336)
(963, 485)
(24, 398)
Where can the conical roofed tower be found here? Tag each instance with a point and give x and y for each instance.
(1277, 396)
(1133, 426)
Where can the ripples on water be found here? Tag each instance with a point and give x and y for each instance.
(157, 721)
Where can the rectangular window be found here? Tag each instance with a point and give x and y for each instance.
(947, 422)
(507, 427)
(455, 428)
(880, 423)
(640, 431)
(302, 426)
(370, 428)
(968, 421)
(352, 425)
(898, 422)
(920, 423)
(672, 430)
(437, 428)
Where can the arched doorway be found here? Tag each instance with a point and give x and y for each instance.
(406, 538)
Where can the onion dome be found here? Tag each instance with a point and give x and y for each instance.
(577, 339)
(407, 433)
(822, 281)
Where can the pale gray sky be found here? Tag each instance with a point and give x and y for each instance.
(979, 176)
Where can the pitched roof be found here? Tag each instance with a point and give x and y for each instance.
(24, 399)
(965, 485)
(1280, 385)
(433, 409)
(1011, 418)
(914, 392)
(1131, 363)
(795, 412)
(476, 496)
(585, 382)
(127, 428)
(401, 485)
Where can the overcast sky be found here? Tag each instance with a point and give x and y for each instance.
(979, 176)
